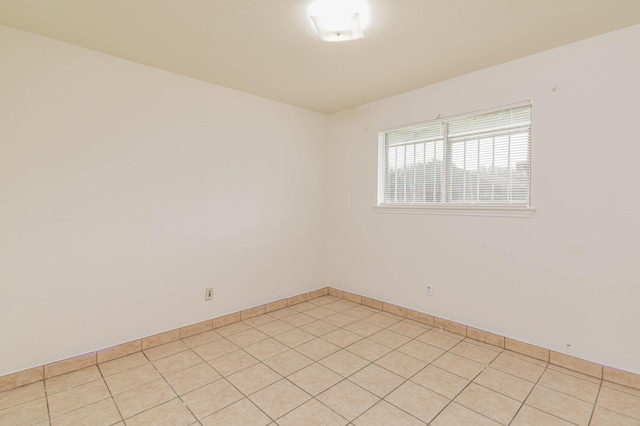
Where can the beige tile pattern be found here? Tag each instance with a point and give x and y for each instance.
(560, 405)
(118, 351)
(74, 398)
(21, 378)
(489, 403)
(485, 336)
(331, 362)
(576, 364)
(69, 365)
(100, 413)
(348, 399)
(197, 328)
(384, 414)
(420, 317)
(451, 326)
(160, 339)
(456, 414)
(624, 378)
(527, 349)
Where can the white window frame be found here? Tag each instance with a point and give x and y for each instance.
(444, 207)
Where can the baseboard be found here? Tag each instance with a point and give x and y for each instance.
(47, 371)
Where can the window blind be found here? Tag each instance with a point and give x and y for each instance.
(476, 159)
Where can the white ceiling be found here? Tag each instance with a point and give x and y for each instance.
(269, 47)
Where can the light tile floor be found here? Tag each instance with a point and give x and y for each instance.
(323, 362)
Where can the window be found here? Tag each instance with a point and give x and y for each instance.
(476, 163)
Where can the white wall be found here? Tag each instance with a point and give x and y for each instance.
(126, 190)
(516, 277)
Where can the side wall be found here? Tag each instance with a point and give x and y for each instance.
(126, 190)
(567, 276)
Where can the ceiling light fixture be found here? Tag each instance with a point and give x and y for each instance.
(337, 20)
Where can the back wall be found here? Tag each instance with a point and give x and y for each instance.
(569, 275)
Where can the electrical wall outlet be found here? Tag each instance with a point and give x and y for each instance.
(429, 290)
(208, 294)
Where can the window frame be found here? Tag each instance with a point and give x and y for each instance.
(524, 210)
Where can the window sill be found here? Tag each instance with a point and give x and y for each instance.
(458, 210)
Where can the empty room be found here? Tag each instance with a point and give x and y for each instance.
(319, 212)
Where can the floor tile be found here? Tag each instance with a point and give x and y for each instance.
(359, 312)
(274, 328)
(243, 412)
(401, 364)
(438, 339)
(298, 319)
(202, 338)
(102, 413)
(389, 338)
(294, 337)
(489, 403)
(315, 379)
(172, 413)
(455, 415)
(74, 398)
(122, 364)
(518, 367)
(604, 417)
(318, 328)
(192, 378)
(266, 349)
(30, 412)
(177, 362)
(440, 381)
(231, 329)
(288, 362)
(247, 337)
(344, 363)
(312, 413)
(377, 380)
(418, 401)
(339, 320)
(21, 395)
(620, 402)
(409, 328)
(382, 320)
(560, 405)
(143, 398)
(215, 349)
(211, 398)
(341, 305)
(529, 416)
(304, 306)
(279, 398)
(319, 312)
(232, 362)
(573, 386)
(348, 399)
(133, 378)
(363, 328)
(368, 349)
(458, 365)
(165, 350)
(258, 321)
(317, 349)
(385, 414)
(71, 380)
(282, 313)
(253, 378)
(474, 352)
(341, 337)
(421, 351)
(504, 383)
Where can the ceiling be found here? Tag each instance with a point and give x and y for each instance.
(269, 47)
